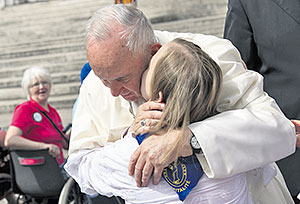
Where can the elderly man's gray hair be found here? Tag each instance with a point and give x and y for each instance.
(137, 29)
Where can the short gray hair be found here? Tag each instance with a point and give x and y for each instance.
(34, 73)
(137, 29)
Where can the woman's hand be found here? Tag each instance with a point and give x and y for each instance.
(53, 149)
(65, 144)
(148, 115)
(297, 126)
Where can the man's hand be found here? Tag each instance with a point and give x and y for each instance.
(149, 156)
(297, 126)
(149, 112)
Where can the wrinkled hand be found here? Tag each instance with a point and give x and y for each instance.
(149, 157)
(297, 126)
(52, 149)
(151, 112)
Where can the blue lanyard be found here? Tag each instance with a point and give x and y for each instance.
(182, 175)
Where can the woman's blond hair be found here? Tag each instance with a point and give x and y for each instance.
(190, 81)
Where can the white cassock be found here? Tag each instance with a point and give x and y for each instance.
(248, 134)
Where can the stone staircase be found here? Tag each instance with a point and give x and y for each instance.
(51, 34)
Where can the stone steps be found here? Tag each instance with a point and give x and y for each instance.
(69, 57)
(58, 8)
(38, 44)
(58, 89)
(57, 78)
(16, 72)
(41, 21)
(84, 8)
(58, 101)
(46, 50)
(207, 25)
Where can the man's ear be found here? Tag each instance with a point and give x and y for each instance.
(160, 97)
(154, 48)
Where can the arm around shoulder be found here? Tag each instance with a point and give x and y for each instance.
(250, 131)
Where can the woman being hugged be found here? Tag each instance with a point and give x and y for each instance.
(30, 128)
(188, 82)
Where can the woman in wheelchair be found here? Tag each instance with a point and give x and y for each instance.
(35, 124)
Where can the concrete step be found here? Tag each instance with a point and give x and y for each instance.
(51, 9)
(52, 29)
(162, 11)
(66, 115)
(45, 50)
(57, 78)
(62, 101)
(58, 89)
(43, 23)
(213, 25)
(28, 45)
(210, 25)
(203, 25)
(45, 41)
(50, 53)
(75, 56)
(70, 9)
(5, 120)
(53, 67)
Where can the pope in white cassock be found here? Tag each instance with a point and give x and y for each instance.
(248, 135)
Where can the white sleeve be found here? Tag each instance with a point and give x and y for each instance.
(241, 140)
(99, 118)
(251, 130)
(103, 170)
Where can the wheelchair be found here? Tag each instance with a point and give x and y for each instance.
(71, 188)
(36, 177)
(5, 177)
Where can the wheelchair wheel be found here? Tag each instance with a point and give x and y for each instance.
(5, 187)
(71, 194)
(5, 184)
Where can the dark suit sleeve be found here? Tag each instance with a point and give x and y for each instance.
(238, 30)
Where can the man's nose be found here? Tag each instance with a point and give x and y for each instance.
(116, 89)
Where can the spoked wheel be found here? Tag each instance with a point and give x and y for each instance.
(6, 191)
(71, 194)
(5, 185)
(5, 180)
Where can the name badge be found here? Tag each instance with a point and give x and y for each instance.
(37, 117)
